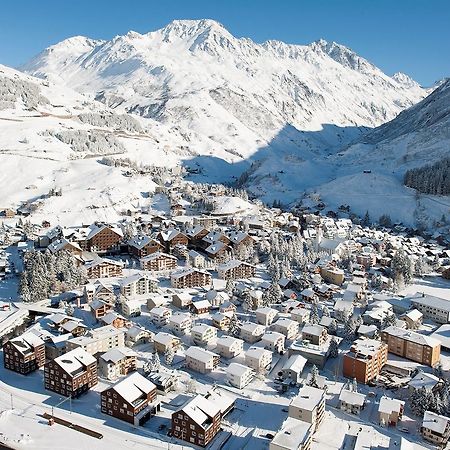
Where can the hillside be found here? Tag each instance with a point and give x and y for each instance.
(294, 119)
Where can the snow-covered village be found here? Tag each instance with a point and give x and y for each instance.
(219, 322)
(225, 225)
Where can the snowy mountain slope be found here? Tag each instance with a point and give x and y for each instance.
(52, 137)
(236, 93)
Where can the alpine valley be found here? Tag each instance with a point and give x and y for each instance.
(296, 124)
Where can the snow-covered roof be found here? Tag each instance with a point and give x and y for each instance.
(28, 341)
(308, 398)
(411, 336)
(164, 338)
(238, 369)
(423, 379)
(200, 354)
(158, 255)
(292, 434)
(201, 410)
(117, 354)
(432, 301)
(352, 398)
(75, 360)
(295, 363)
(435, 422)
(389, 405)
(133, 387)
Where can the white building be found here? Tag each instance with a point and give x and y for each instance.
(351, 402)
(203, 334)
(259, 359)
(229, 347)
(201, 360)
(160, 316)
(293, 368)
(287, 327)
(180, 323)
(98, 340)
(239, 375)
(265, 315)
(273, 341)
(252, 332)
(137, 284)
(308, 405)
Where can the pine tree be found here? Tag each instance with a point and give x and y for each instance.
(325, 311)
(169, 356)
(313, 378)
(314, 315)
(334, 348)
(70, 309)
(332, 328)
(419, 401)
(350, 329)
(354, 385)
(366, 220)
(234, 329)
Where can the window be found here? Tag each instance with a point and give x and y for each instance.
(192, 427)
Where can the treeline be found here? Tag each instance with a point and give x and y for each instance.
(430, 179)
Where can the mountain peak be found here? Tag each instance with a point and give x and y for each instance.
(404, 80)
(189, 28)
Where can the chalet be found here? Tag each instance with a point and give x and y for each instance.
(71, 374)
(103, 268)
(63, 244)
(103, 239)
(390, 411)
(180, 323)
(24, 354)
(74, 327)
(136, 335)
(158, 261)
(164, 382)
(117, 362)
(189, 278)
(182, 300)
(287, 327)
(293, 368)
(130, 307)
(131, 400)
(216, 298)
(195, 234)
(200, 307)
(218, 251)
(413, 319)
(113, 319)
(171, 237)
(100, 308)
(141, 246)
(239, 239)
(352, 402)
(100, 291)
(196, 260)
(221, 321)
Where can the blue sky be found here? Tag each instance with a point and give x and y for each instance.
(411, 36)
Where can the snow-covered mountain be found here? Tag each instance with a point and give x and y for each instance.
(291, 118)
(237, 94)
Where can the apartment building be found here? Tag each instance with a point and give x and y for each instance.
(352, 402)
(435, 429)
(131, 400)
(273, 341)
(315, 334)
(201, 360)
(252, 332)
(98, 340)
(104, 239)
(141, 246)
(239, 375)
(180, 323)
(158, 262)
(434, 308)
(203, 334)
(259, 359)
(287, 327)
(197, 421)
(390, 411)
(103, 268)
(300, 315)
(365, 360)
(293, 434)
(308, 406)
(235, 270)
(71, 374)
(138, 284)
(189, 278)
(229, 347)
(411, 345)
(24, 354)
(117, 362)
